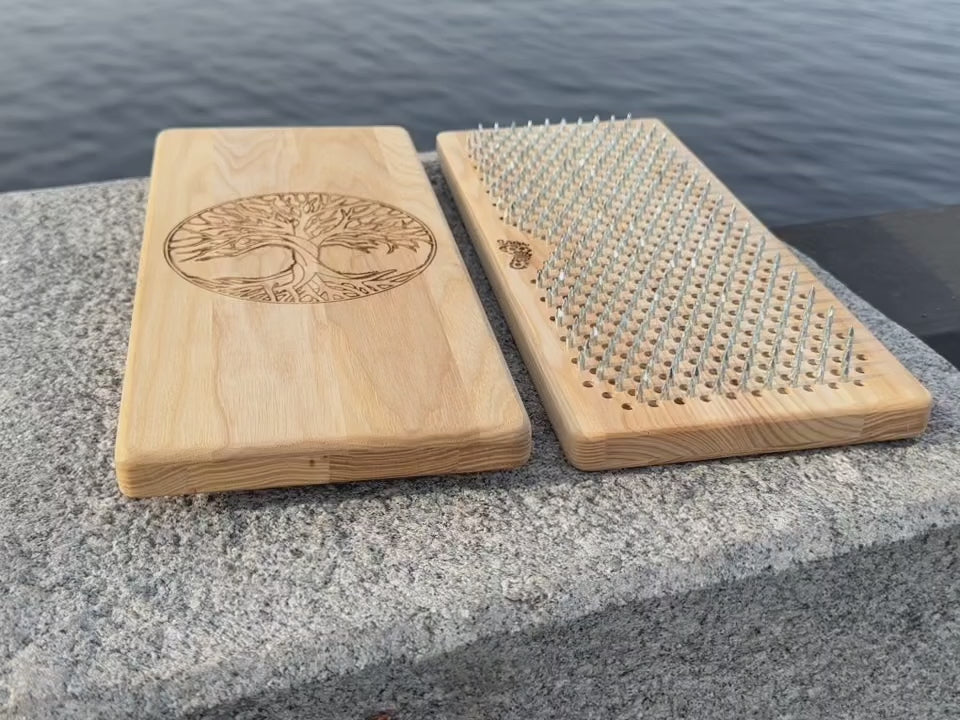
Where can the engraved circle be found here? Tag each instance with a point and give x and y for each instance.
(313, 247)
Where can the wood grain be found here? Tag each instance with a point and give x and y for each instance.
(613, 429)
(303, 316)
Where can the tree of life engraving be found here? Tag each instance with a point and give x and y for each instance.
(300, 248)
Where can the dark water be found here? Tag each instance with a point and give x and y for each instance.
(807, 110)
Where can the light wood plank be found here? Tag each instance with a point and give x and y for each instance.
(314, 323)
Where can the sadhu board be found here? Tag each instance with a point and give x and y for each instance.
(303, 315)
(660, 320)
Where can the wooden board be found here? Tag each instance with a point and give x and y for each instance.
(578, 226)
(303, 316)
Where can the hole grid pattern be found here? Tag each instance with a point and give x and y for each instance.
(656, 287)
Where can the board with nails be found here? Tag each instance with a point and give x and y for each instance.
(661, 321)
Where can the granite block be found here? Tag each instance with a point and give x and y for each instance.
(665, 591)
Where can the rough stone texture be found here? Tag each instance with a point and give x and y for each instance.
(805, 585)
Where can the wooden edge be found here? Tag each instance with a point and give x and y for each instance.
(260, 128)
(611, 453)
(507, 448)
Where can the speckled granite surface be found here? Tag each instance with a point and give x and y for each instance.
(802, 585)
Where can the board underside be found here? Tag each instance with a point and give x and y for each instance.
(660, 320)
(303, 316)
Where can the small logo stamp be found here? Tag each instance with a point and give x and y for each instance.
(519, 250)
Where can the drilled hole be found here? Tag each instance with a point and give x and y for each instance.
(587, 383)
(607, 395)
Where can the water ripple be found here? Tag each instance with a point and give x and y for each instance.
(807, 110)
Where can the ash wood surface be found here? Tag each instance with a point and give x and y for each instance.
(612, 429)
(303, 316)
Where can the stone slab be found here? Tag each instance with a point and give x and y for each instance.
(430, 596)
